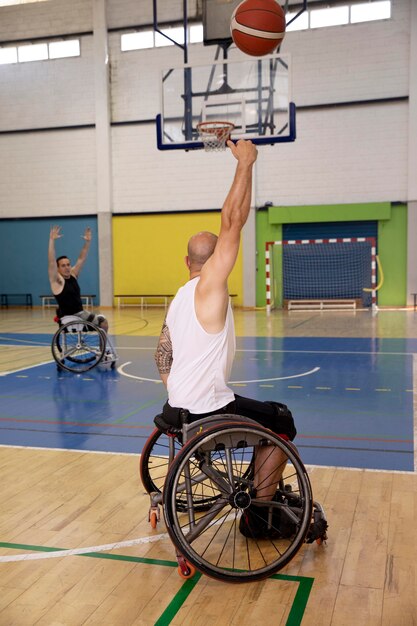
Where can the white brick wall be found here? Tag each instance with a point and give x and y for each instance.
(136, 78)
(124, 12)
(340, 155)
(355, 62)
(47, 174)
(147, 180)
(41, 94)
(42, 19)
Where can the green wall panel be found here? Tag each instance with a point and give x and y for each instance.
(264, 232)
(329, 213)
(392, 252)
(392, 241)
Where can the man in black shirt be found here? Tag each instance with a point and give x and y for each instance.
(64, 283)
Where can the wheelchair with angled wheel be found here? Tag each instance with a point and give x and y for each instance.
(79, 345)
(202, 475)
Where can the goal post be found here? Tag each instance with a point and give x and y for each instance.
(321, 270)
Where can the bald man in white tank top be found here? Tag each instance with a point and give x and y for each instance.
(197, 343)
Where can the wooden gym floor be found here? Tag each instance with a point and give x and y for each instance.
(76, 547)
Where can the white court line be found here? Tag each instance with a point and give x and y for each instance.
(311, 468)
(61, 553)
(137, 454)
(294, 351)
(231, 382)
(121, 371)
(6, 445)
(22, 369)
(264, 380)
(34, 344)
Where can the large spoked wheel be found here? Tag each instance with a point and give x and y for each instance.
(215, 463)
(157, 455)
(78, 347)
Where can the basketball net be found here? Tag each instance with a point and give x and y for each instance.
(214, 135)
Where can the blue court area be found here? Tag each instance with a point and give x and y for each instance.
(352, 399)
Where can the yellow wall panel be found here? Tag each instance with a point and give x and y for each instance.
(149, 252)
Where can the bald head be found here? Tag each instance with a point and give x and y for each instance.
(200, 248)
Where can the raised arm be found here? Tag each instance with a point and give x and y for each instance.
(234, 214)
(211, 293)
(84, 252)
(54, 277)
(163, 354)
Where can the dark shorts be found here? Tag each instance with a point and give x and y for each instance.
(273, 415)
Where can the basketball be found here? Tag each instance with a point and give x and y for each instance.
(258, 26)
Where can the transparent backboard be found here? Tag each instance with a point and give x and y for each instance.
(253, 94)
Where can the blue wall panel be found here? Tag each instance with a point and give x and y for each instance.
(24, 254)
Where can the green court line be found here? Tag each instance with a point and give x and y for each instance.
(294, 618)
(301, 597)
(177, 601)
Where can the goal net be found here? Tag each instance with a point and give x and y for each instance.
(321, 270)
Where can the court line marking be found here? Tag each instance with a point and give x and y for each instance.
(22, 369)
(120, 369)
(8, 445)
(310, 467)
(103, 548)
(137, 454)
(34, 344)
(371, 352)
(312, 351)
(295, 615)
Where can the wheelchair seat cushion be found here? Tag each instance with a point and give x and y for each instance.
(165, 427)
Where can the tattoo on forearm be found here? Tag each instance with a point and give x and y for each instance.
(163, 354)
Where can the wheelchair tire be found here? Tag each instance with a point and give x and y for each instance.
(81, 350)
(155, 460)
(211, 540)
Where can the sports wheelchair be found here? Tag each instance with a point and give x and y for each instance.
(203, 476)
(79, 345)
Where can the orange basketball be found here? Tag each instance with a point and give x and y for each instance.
(258, 26)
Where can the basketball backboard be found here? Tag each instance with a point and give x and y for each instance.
(253, 94)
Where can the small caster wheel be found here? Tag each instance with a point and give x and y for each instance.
(153, 519)
(154, 516)
(186, 570)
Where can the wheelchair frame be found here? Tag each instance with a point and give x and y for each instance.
(205, 487)
(78, 346)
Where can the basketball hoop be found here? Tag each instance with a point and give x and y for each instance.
(214, 135)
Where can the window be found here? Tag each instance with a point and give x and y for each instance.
(40, 51)
(148, 39)
(6, 3)
(8, 55)
(320, 18)
(34, 52)
(137, 41)
(370, 11)
(177, 34)
(63, 49)
(196, 33)
(301, 23)
(351, 13)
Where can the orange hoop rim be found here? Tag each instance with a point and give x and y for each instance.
(213, 125)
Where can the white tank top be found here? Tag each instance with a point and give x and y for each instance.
(202, 361)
